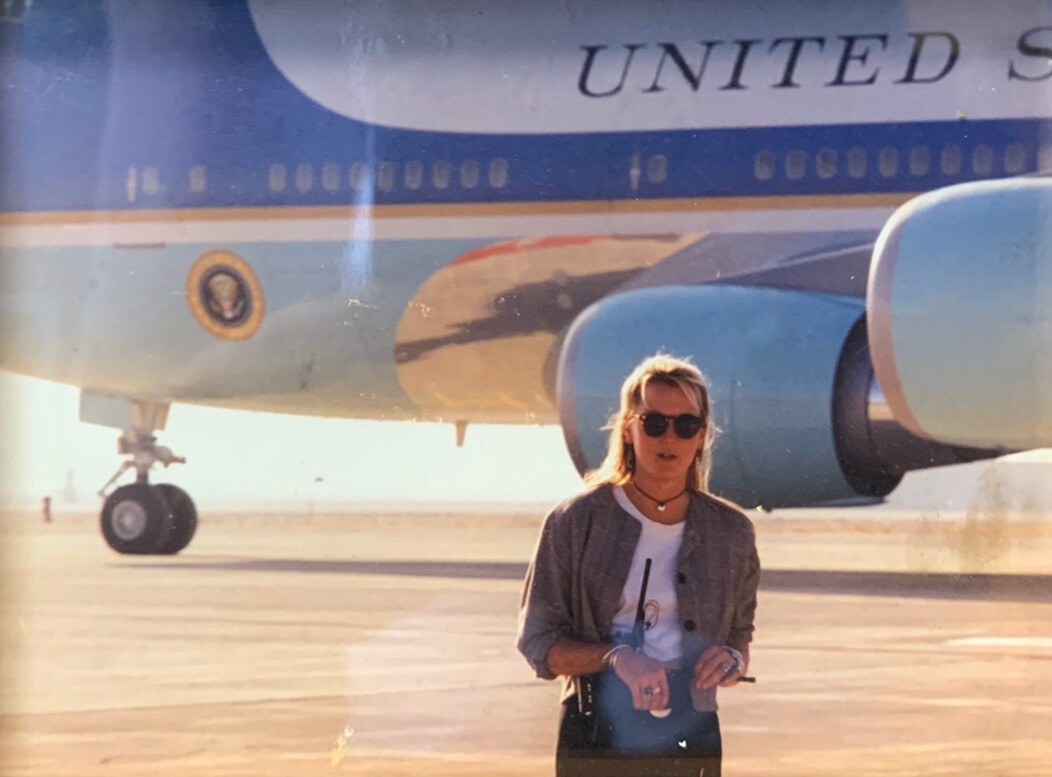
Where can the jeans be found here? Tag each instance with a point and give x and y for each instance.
(616, 740)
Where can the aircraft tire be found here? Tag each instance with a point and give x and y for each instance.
(184, 518)
(136, 519)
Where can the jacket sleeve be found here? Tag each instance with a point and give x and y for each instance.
(745, 601)
(545, 612)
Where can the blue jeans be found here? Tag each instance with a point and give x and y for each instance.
(612, 738)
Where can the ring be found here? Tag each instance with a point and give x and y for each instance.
(727, 667)
(648, 691)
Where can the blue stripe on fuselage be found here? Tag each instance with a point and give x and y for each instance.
(137, 107)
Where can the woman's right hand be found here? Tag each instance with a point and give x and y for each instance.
(644, 677)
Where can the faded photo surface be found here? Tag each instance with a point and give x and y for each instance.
(310, 313)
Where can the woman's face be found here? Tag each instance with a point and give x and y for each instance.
(669, 456)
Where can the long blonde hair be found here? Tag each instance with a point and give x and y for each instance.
(619, 465)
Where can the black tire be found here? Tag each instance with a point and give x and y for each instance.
(136, 519)
(184, 518)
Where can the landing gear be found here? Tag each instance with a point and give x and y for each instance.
(184, 517)
(136, 519)
(141, 518)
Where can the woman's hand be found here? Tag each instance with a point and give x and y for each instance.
(644, 677)
(717, 666)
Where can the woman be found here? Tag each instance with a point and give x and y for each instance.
(640, 672)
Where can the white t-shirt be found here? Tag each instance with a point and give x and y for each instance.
(660, 543)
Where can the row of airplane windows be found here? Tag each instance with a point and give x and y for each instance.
(304, 179)
(918, 161)
(795, 164)
(442, 175)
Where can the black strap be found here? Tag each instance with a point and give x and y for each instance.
(639, 627)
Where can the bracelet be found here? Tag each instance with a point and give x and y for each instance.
(608, 656)
(739, 659)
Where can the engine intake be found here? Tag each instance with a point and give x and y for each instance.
(960, 313)
(792, 388)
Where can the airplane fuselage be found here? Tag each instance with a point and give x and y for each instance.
(410, 209)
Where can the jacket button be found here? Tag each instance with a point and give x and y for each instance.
(688, 625)
(681, 578)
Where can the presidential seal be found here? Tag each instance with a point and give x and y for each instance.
(224, 295)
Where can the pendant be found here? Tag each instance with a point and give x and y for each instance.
(661, 507)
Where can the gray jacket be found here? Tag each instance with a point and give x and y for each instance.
(574, 583)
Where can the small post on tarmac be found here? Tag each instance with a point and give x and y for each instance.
(313, 492)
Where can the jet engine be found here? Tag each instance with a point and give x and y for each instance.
(801, 418)
(960, 313)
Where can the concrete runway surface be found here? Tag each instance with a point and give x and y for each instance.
(383, 645)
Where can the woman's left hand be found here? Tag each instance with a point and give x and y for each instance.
(717, 666)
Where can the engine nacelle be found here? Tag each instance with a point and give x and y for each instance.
(960, 313)
(802, 419)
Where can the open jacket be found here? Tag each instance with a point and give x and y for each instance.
(575, 582)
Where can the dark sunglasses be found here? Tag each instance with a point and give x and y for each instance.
(685, 425)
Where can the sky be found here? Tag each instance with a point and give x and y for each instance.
(251, 459)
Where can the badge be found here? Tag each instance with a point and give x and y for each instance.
(225, 295)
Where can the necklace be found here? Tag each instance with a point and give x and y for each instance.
(661, 503)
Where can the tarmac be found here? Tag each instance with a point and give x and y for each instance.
(886, 644)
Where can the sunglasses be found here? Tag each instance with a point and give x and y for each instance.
(685, 425)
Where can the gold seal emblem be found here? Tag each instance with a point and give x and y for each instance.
(224, 295)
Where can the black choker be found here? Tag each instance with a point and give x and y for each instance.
(661, 503)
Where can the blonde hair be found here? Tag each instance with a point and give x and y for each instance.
(619, 465)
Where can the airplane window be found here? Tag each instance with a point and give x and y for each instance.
(1044, 158)
(498, 173)
(857, 162)
(825, 163)
(469, 173)
(151, 180)
(920, 160)
(14, 10)
(357, 175)
(385, 176)
(888, 162)
(198, 179)
(304, 177)
(763, 166)
(441, 173)
(795, 165)
(277, 178)
(330, 177)
(951, 160)
(132, 183)
(657, 169)
(414, 175)
(1015, 158)
(982, 160)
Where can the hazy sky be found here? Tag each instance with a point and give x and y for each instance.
(235, 456)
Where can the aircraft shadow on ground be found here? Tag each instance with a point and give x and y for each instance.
(1025, 588)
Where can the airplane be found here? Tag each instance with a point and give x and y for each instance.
(488, 212)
